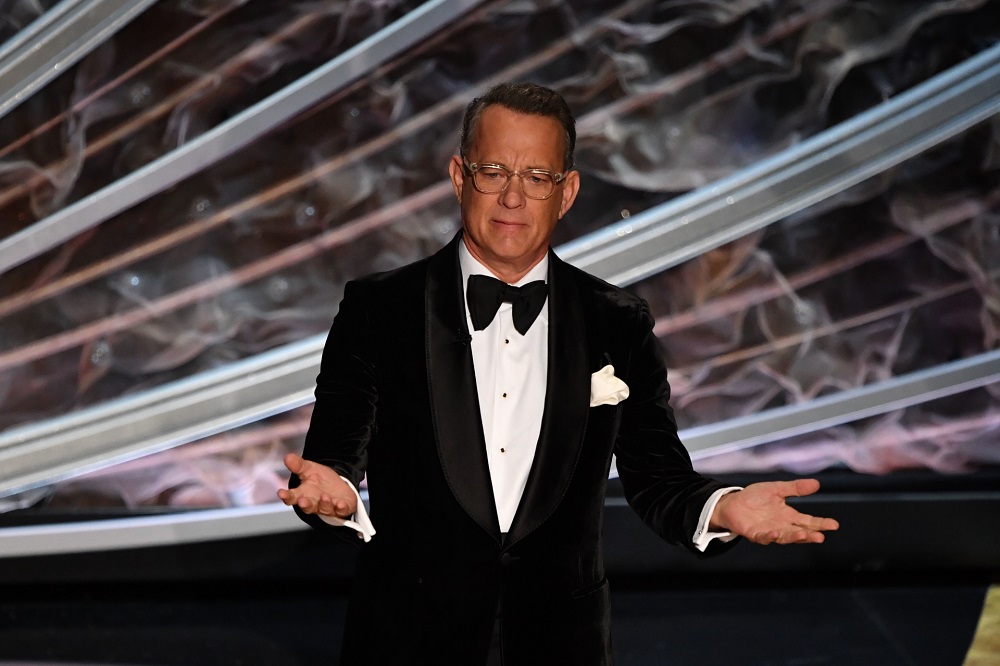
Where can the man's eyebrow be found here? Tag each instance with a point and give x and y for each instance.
(527, 168)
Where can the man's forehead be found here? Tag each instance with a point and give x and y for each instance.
(496, 113)
(500, 127)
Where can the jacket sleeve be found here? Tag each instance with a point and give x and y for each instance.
(654, 467)
(343, 418)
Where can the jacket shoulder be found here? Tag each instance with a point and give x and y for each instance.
(395, 277)
(403, 284)
(604, 297)
(411, 276)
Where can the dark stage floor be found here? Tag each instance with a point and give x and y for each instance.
(758, 620)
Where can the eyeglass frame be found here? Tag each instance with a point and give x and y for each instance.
(558, 177)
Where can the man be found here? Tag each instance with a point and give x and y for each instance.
(487, 439)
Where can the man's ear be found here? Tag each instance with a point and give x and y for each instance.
(457, 172)
(570, 188)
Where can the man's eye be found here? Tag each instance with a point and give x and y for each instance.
(537, 179)
(491, 174)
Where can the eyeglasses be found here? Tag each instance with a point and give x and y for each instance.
(495, 178)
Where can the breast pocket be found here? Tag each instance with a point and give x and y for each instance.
(593, 588)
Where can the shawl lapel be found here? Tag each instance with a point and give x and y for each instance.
(567, 405)
(451, 379)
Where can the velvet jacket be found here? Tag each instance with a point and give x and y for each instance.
(396, 397)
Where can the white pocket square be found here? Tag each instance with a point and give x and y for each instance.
(605, 388)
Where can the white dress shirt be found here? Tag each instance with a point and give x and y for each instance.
(511, 372)
(510, 378)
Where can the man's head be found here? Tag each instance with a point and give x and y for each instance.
(520, 129)
(529, 99)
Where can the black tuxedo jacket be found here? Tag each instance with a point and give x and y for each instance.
(396, 398)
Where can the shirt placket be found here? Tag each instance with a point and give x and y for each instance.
(502, 398)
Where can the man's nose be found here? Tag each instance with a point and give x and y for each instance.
(512, 197)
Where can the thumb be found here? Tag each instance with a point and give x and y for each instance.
(295, 463)
(803, 487)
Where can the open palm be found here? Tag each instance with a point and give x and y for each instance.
(760, 513)
(320, 491)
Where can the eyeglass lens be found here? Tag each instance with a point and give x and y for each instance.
(534, 184)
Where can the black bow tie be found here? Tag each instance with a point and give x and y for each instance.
(485, 294)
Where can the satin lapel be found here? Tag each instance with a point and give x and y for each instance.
(452, 386)
(567, 405)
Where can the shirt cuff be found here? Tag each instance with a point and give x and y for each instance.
(702, 537)
(359, 522)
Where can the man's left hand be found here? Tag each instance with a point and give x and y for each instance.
(759, 513)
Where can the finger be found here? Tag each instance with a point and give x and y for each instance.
(286, 496)
(826, 525)
(334, 506)
(808, 536)
(803, 536)
(294, 462)
(765, 538)
(798, 536)
(341, 509)
(816, 523)
(306, 504)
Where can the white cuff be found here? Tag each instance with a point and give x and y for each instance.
(359, 522)
(702, 537)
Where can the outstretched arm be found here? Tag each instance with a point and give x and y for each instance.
(324, 479)
(759, 513)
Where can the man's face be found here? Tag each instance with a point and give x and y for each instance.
(508, 232)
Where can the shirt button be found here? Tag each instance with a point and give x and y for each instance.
(506, 341)
(505, 395)
(503, 450)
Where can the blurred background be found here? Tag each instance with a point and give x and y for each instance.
(806, 193)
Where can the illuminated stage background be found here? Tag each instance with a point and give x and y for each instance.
(172, 212)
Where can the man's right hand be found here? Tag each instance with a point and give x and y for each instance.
(321, 490)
